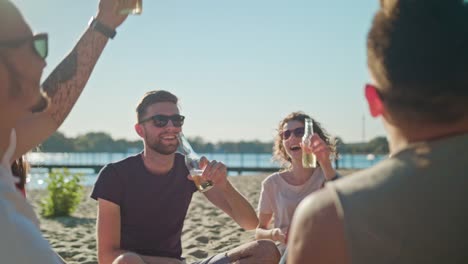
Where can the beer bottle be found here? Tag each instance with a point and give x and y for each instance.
(192, 161)
(308, 160)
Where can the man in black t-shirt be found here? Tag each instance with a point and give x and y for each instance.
(143, 199)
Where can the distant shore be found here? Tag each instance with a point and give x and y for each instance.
(207, 230)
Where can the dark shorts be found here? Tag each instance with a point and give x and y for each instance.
(216, 259)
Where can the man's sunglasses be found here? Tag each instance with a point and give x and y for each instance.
(298, 132)
(39, 42)
(162, 120)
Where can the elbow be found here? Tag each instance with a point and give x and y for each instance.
(105, 256)
(251, 224)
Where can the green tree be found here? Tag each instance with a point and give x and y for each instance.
(58, 143)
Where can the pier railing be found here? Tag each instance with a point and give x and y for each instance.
(235, 162)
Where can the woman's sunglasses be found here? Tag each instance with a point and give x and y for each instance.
(39, 42)
(162, 120)
(298, 132)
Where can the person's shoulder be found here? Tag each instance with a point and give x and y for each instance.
(372, 177)
(315, 219)
(316, 202)
(272, 178)
(128, 163)
(125, 162)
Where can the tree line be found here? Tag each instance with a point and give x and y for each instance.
(103, 142)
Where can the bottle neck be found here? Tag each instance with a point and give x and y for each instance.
(185, 145)
(308, 126)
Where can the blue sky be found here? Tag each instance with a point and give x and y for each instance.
(238, 67)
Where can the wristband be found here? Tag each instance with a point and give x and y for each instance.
(94, 24)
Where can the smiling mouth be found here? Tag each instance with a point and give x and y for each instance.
(295, 148)
(170, 138)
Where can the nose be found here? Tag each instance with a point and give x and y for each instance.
(43, 63)
(170, 125)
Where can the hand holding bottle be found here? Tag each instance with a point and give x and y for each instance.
(316, 146)
(107, 15)
(214, 171)
(195, 164)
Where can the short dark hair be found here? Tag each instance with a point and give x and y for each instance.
(152, 97)
(418, 54)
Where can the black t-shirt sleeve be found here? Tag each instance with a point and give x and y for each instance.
(109, 186)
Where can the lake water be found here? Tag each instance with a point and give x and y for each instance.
(38, 176)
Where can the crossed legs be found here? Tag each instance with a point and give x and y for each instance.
(260, 251)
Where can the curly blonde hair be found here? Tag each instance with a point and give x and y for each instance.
(279, 153)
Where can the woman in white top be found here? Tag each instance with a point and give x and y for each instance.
(282, 191)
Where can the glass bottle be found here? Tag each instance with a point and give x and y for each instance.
(192, 161)
(308, 159)
(130, 7)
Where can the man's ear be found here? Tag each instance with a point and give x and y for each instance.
(139, 130)
(376, 106)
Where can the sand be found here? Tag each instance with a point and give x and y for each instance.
(207, 230)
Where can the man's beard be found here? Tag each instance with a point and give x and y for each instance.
(163, 149)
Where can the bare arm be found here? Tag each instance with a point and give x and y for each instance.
(108, 231)
(317, 232)
(228, 199)
(65, 84)
(263, 232)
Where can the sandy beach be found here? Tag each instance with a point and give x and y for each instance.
(207, 230)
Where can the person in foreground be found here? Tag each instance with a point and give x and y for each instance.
(143, 199)
(412, 207)
(28, 115)
(282, 191)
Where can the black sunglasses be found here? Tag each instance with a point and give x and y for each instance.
(39, 42)
(298, 132)
(162, 120)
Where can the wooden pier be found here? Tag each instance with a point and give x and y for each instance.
(97, 168)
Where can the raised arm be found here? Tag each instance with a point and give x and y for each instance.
(65, 84)
(227, 198)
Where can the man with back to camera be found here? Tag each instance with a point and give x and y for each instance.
(412, 207)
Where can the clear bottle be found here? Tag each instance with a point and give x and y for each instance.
(130, 7)
(192, 161)
(308, 160)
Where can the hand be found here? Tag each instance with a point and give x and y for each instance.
(278, 235)
(108, 13)
(319, 148)
(214, 171)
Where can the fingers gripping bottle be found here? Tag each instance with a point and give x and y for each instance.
(192, 161)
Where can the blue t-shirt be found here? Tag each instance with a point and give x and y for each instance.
(152, 207)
